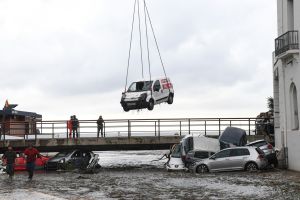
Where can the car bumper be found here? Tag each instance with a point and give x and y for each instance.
(175, 167)
(52, 166)
(272, 158)
(262, 164)
(138, 104)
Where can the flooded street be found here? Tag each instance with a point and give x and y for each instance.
(131, 175)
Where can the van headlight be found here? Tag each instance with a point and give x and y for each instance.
(62, 161)
(123, 95)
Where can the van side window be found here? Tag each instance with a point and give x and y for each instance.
(157, 85)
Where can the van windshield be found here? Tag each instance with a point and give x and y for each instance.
(140, 86)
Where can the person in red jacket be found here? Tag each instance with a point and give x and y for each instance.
(31, 154)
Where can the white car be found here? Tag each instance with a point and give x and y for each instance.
(175, 163)
(146, 94)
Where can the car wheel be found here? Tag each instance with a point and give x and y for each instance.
(202, 169)
(170, 99)
(275, 163)
(151, 105)
(250, 167)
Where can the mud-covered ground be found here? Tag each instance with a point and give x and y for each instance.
(136, 176)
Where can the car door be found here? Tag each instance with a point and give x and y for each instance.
(76, 158)
(219, 161)
(236, 158)
(157, 92)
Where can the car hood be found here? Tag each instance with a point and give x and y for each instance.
(55, 159)
(133, 95)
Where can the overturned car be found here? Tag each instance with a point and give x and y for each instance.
(74, 159)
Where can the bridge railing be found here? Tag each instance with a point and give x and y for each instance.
(126, 127)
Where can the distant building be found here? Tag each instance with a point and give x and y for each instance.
(18, 123)
(286, 72)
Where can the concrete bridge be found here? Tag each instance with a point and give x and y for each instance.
(122, 134)
(95, 144)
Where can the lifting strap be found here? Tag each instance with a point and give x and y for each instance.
(146, 18)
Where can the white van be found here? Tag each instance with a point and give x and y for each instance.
(145, 94)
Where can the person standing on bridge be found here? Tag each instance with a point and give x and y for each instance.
(31, 154)
(75, 125)
(69, 126)
(10, 157)
(100, 122)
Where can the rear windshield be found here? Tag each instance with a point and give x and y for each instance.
(259, 151)
(258, 144)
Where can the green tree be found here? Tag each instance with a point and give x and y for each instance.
(270, 102)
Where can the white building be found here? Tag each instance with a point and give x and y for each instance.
(286, 71)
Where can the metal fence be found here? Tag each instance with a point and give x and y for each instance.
(287, 41)
(129, 127)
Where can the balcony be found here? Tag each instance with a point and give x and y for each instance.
(286, 42)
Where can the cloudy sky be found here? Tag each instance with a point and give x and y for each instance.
(64, 57)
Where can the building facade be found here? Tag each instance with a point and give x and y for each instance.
(286, 75)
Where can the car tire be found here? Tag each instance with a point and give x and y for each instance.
(251, 167)
(201, 169)
(151, 104)
(275, 163)
(170, 99)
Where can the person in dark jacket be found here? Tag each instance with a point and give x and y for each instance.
(10, 157)
(100, 122)
(31, 154)
(75, 125)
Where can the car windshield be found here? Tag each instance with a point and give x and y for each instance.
(62, 154)
(140, 86)
(176, 153)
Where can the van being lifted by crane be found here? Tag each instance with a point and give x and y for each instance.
(145, 94)
(148, 92)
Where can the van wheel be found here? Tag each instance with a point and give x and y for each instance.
(151, 105)
(202, 169)
(171, 98)
(250, 167)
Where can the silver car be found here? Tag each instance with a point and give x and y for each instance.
(230, 159)
(268, 149)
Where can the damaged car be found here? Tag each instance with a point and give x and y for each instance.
(268, 149)
(74, 159)
(232, 159)
(232, 137)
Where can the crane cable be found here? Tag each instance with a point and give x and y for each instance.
(146, 15)
(130, 44)
(147, 40)
(140, 35)
(156, 43)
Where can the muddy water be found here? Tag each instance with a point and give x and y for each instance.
(131, 175)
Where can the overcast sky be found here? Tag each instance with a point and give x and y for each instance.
(64, 57)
